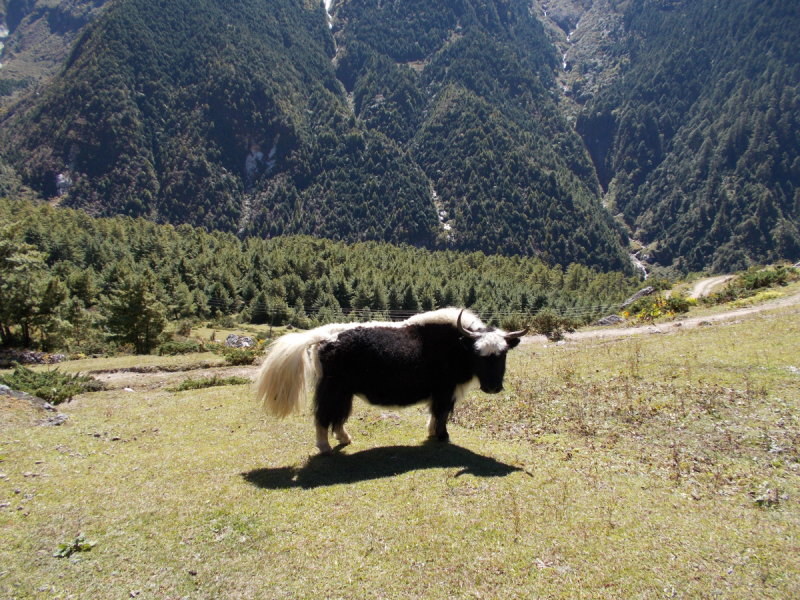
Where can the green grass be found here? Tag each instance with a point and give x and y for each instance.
(624, 469)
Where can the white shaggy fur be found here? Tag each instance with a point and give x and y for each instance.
(491, 343)
(281, 384)
(446, 316)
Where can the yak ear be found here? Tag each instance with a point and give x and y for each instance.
(466, 342)
(512, 343)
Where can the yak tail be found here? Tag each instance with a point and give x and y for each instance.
(281, 380)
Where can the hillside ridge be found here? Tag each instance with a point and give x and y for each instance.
(506, 127)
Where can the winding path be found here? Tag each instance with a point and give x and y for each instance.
(617, 332)
(703, 287)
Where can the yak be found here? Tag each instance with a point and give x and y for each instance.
(433, 357)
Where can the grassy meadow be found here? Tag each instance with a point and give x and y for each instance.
(664, 465)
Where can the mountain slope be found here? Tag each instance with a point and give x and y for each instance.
(35, 38)
(468, 88)
(201, 112)
(233, 116)
(699, 141)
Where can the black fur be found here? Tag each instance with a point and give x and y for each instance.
(399, 366)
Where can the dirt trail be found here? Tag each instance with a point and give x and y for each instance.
(703, 287)
(673, 326)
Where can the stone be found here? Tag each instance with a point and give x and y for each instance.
(649, 290)
(237, 341)
(609, 320)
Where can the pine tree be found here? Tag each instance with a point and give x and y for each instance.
(134, 315)
(21, 273)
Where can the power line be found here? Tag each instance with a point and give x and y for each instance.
(262, 308)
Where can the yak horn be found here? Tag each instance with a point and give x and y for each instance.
(465, 332)
(516, 334)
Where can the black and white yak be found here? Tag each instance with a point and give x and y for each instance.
(432, 357)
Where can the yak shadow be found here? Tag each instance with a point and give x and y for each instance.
(377, 463)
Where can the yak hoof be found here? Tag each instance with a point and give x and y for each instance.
(443, 437)
(325, 448)
(342, 436)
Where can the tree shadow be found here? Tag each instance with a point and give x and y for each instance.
(377, 463)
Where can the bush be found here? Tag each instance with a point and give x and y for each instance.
(185, 328)
(91, 346)
(650, 308)
(679, 304)
(236, 356)
(241, 356)
(759, 297)
(645, 303)
(206, 382)
(53, 386)
(514, 322)
(755, 278)
(748, 283)
(175, 347)
(552, 326)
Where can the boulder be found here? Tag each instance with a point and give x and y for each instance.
(27, 357)
(609, 320)
(38, 405)
(640, 294)
(239, 341)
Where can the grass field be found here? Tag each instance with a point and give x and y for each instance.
(649, 467)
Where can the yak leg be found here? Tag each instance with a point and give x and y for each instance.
(432, 426)
(441, 407)
(341, 435)
(322, 440)
(332, 406)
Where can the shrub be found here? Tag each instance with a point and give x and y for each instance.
(241, 356)
(236, 356)
(755, 278)
(92, 345)
(759, 297)
(206, 382)
(748, 283)
(552, 326)
(646, 310)
(53, 386)
(175, 347)
(185, 328)
(514, 322)
(679, 304)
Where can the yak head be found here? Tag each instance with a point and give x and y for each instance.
(489, 347)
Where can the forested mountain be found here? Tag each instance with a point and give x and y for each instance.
(698, 141)
(496, 125)
(468, 88)
(430, 123)
(227, 115)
